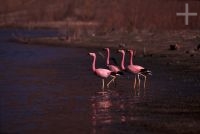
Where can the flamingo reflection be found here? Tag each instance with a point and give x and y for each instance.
(114, 108)
(101, 106)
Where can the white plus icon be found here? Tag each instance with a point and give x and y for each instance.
(186, 14)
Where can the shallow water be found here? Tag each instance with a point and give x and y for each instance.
(52, 90)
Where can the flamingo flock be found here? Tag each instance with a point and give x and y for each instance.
(114, 71)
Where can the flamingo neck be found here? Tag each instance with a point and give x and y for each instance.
(131, 57)
(122, 62)
(93, 63)
(108, 56)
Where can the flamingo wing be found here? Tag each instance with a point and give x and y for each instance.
(113, 68)
(135, 68)
(103, 72)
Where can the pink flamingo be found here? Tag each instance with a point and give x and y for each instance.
(137, 70)
(113, 68)
(101, 72)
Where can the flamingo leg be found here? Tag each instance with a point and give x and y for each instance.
(139, 81)
(112, 80)
(103, 85)
(145, 78)
(135, 82)
(115, 81)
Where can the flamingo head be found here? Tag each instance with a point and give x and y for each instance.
(121, 51)
(132, 51)
(92, 54)
(107, 49)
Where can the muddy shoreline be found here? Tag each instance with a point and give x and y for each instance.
(147, 44)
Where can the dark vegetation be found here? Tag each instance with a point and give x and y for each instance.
(110, 15)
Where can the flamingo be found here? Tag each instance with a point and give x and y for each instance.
(137, 70)
(101, 72)
(113, 68)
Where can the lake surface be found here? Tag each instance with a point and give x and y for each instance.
(47, 89)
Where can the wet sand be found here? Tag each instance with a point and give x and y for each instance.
(53, 90)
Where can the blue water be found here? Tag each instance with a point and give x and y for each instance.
(53, 90)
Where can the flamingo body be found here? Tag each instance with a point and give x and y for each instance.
(113, 68)
(135, 68)
(104, 73)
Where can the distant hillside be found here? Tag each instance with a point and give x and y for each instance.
(120, 15)
(35, 10)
